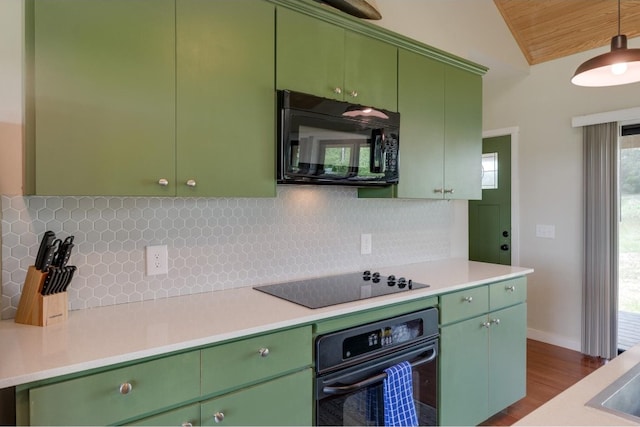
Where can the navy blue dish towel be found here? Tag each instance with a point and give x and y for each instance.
(399, 408)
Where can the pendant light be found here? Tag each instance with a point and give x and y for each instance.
(618, 67)
(365, 9)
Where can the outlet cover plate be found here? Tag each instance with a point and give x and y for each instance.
(157, 260)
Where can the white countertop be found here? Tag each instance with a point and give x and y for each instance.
(104, 336)
(568, 408)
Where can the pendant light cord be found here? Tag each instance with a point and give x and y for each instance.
(618, 17)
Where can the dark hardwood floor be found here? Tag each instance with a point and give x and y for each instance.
(550, 370)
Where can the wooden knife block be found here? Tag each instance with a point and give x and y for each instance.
(37, 309)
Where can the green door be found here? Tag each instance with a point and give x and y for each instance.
(104, 97)
(225, 98)
(490, 218)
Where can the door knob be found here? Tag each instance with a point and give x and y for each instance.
(505, 233)
(504, 247)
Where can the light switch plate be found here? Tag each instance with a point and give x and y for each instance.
(546, 231)
(365, 244)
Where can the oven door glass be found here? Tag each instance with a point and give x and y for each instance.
(365, 406)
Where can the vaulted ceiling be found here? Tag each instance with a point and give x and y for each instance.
(551, 29)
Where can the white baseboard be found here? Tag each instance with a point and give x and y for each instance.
(554, 339)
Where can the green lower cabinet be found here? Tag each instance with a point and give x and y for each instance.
(507, 357)
(482, 365)
(187, 416)
(464, 376)
(283, 401)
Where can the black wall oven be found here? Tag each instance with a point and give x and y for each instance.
(324, 141)
(350, 368)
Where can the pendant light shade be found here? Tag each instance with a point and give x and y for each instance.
(365, 9)
(618, 67)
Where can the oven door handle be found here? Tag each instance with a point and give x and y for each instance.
(344, 389)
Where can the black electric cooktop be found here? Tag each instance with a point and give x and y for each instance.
(331, 290)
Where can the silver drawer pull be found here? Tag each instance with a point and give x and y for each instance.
(337, 90)
(486, 325)
(218, 417)
(163, 182)
(125, 388)
(354, 93)
(510, 288)
(191, 183)
(495, 321)
(438, 190)
(187, 424)
(448, 190)
(467, 299)
(264, 352)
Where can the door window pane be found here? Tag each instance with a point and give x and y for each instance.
(490, 171)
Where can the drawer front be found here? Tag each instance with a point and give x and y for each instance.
(96, 399)
(507, 293)
(464, 304)
(284, 401)
(187, 416)
(232, 365)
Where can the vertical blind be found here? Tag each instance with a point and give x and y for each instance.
(600, 278)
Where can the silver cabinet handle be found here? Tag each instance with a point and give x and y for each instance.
(125, 388)
(187, 424)
(191, 183)
(467, 299)
(337, 90)
(495, 321)
(486, 325)
(264, 352)
(510, 288)
(163, 182)
(448, 190)
(438, 190)
(218, 417)
(354, 93)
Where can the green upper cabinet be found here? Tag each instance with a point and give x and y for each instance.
(225, 98)
(463, 135)
(319, 58)
(154, 98)
(104, 96)
(440, 131)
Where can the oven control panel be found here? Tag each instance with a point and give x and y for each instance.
(347, 347)
(387, 336)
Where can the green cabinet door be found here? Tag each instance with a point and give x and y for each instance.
(464, 376)
(371, 72)
(225, 98)
(326, 60)
(104, 96)
(507, 357)
(463, 135)
(284, 401)
(310, 55)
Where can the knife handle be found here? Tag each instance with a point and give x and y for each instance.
(48, 281)
(50, 253)
(64, 253)
(47, 239)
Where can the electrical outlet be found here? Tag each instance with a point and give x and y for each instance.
(157, 260)
(365, 244)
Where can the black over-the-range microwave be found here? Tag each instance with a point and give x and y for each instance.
(324, 141)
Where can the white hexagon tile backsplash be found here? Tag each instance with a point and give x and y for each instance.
(215, 243)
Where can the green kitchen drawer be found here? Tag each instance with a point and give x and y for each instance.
(463, 304)
(186, 416)
(287, 400)
(507, 293)
(229, 366)
(100, 399)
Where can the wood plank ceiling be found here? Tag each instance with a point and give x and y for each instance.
(551, 29)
